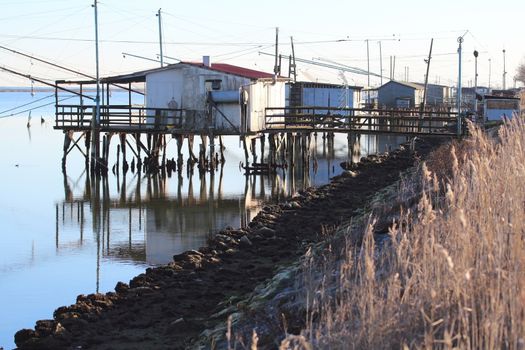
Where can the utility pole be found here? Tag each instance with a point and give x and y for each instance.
(276, 66)
(293, 68)
(95, 125)
(160, 38)
(476, 82)
(368, 61)
(394, 69)
(426, 79)
(458, 94)
(390, 76)
(490, 70)
(380, 62)
(504, 72)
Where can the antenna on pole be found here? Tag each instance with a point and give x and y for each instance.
(160, 38)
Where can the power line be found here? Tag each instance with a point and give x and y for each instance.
(37, 107)
(27, 104)
(213, 43)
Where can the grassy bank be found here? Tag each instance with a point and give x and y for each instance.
(449, 273)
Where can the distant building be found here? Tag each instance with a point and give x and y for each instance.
(398, 94)
(499, 107)
(301, 94)
(369, 98)
(439, 95)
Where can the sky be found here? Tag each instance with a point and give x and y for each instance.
(235, 32)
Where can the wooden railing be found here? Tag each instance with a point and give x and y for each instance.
(361, 120)
(118, 117)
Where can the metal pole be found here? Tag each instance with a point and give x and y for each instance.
(504, 72)
(160, 38)
(391, 68)
(426, 80)
(490, 70)
(460, 41)
(96, 123)
(380, 62)
(476, 82)
(276, 66)
(293, 61)
(368, 62)
(394, 69)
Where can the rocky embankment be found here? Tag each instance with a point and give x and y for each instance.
(169, 306)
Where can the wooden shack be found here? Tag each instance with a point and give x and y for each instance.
(182, 98)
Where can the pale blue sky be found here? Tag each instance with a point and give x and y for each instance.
(234, 31)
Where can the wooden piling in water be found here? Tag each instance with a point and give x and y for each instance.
(125, 165)
(222, 159)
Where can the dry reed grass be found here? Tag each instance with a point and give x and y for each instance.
(452, 272)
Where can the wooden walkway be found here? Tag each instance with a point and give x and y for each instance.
(361, 121)
(279, 123)
(131, 119)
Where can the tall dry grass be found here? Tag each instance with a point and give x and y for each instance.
(452, 272)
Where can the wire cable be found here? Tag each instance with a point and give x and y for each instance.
(27, 104)
(32, 109)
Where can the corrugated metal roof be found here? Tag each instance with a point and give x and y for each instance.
(235, 70)
(311, 84)
(218, 67)
(405, 83)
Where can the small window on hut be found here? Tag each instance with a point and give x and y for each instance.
(214, 84)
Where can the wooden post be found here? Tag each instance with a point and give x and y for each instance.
(163, 150)
(271, 155)
(245, 147)
(354, 144)
(193, 158)
(67, 143)
(123, 148)
(222, 150)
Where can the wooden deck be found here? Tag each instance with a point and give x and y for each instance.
(361, 121)
(131, 119)
(119, 118)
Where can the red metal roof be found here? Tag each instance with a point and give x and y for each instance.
(235, 70)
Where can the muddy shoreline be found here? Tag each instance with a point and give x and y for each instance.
(169, 306)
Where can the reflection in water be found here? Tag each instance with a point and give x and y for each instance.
(144, 222)
(137, 218)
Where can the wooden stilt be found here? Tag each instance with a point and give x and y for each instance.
(254, 149)
(245, 147)
(190, 148)
(125, 165)
(262, 141)
(67, 142)
(87, 144)
(222, 150)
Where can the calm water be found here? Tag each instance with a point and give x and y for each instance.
(67, 234)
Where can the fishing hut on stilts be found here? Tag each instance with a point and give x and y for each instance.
(181, 101)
